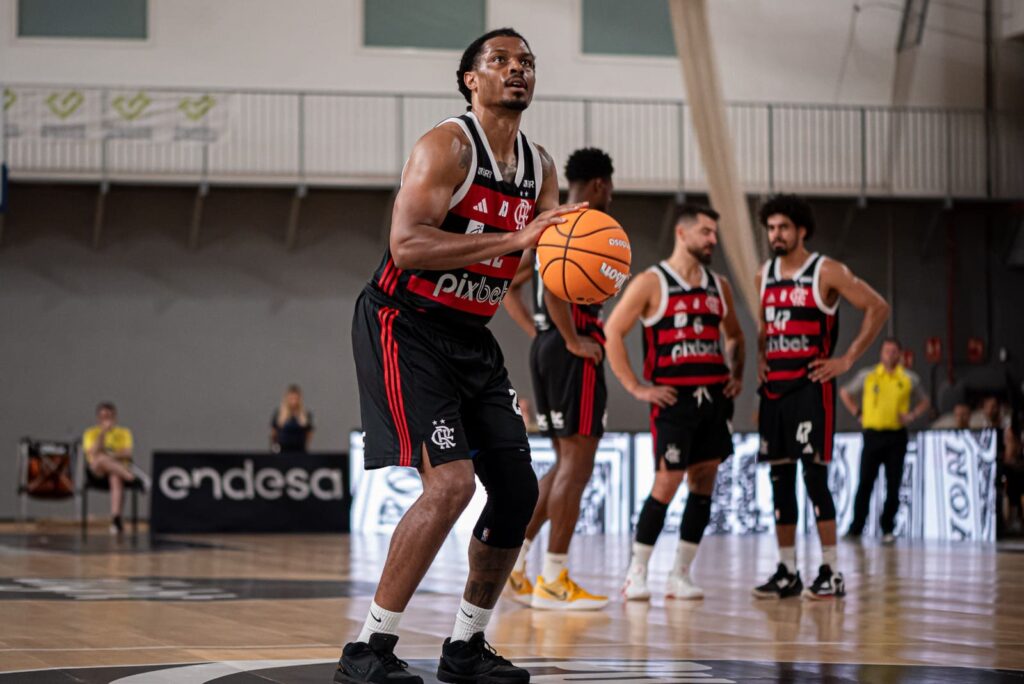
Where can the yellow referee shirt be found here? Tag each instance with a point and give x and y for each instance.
(885, 395)
(117, 439)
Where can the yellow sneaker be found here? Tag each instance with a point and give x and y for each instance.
(519, 588)
(564, 594)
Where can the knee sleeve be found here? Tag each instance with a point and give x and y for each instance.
(816, 481)
(695, 518)
(511, 488)
(651, 521)
(784, 493)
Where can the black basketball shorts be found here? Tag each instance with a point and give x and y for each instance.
(798, 425)
(569, 391)
(421, 387)
(696, 428)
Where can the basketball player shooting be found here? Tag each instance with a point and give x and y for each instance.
(800, 294)
(434, 393)
(567, 368)
(685, 309)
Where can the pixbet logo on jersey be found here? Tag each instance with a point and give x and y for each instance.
(695, 348)
(789, 344)
(474, 291)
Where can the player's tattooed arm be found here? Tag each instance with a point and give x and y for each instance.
(735, 342)
(838, 281)
(548, 198)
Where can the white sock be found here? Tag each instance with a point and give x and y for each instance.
(469, 620)
(685, 553)
(379, 621)
(641, 554)
(787, 556)
(520, 565)
(554, 563)
(829, 556)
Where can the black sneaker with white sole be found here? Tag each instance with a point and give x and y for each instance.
(783, 584)
(476, 662)
(827, 585)
(374, 662)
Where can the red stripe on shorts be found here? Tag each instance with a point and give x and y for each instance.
(393, 384)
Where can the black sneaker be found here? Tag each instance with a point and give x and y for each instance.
(783, 584)
(116, 525)
(475, 662)
(374, 662)
(827, 585)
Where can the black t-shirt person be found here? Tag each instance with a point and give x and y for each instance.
(291, 435)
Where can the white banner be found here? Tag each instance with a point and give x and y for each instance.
(90, 115)
(948, 488)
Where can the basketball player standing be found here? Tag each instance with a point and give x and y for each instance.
(800, 294)
(433, 390)
(567, 367)
(685, 309)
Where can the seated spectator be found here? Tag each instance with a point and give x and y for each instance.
(291, 426)
(990, 415)
(958, 419)
(108, 454)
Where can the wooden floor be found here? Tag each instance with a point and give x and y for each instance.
(278, 609)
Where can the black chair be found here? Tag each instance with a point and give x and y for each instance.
(90, 480)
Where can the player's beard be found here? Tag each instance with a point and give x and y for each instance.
(702, 256)
(515, 105)
(780, 250)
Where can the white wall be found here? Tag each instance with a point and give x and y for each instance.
(768, 50)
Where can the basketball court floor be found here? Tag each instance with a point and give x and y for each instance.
(250, 609)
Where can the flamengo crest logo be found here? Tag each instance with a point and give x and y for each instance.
(522, 214)
(444, 436)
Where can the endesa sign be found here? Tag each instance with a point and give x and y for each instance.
(228, 492)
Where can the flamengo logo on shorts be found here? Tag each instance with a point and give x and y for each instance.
(242, 484)
(474, 291)
(613, 274)
(444, 436)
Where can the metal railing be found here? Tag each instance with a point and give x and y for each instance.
(334, 138)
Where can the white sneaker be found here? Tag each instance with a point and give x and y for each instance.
(635, 586)
(680, 587)
(889, 539)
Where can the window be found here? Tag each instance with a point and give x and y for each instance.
(638, 27)
(82, 19)
(438, 24)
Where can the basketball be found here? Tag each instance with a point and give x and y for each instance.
(586, 259)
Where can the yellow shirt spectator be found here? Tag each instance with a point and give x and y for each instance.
(117, 440)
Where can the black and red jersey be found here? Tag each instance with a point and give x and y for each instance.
(586, 317)
(484, 203)
(799, 325)
(682, 340)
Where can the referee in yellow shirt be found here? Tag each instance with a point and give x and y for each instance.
(884, 413)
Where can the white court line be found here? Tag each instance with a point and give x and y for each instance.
(200, 674)
(163, 648)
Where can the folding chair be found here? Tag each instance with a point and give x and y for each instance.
(45, 471)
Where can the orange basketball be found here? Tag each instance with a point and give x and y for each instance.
(586, 259)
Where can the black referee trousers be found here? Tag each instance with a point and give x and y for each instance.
(881, 448)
